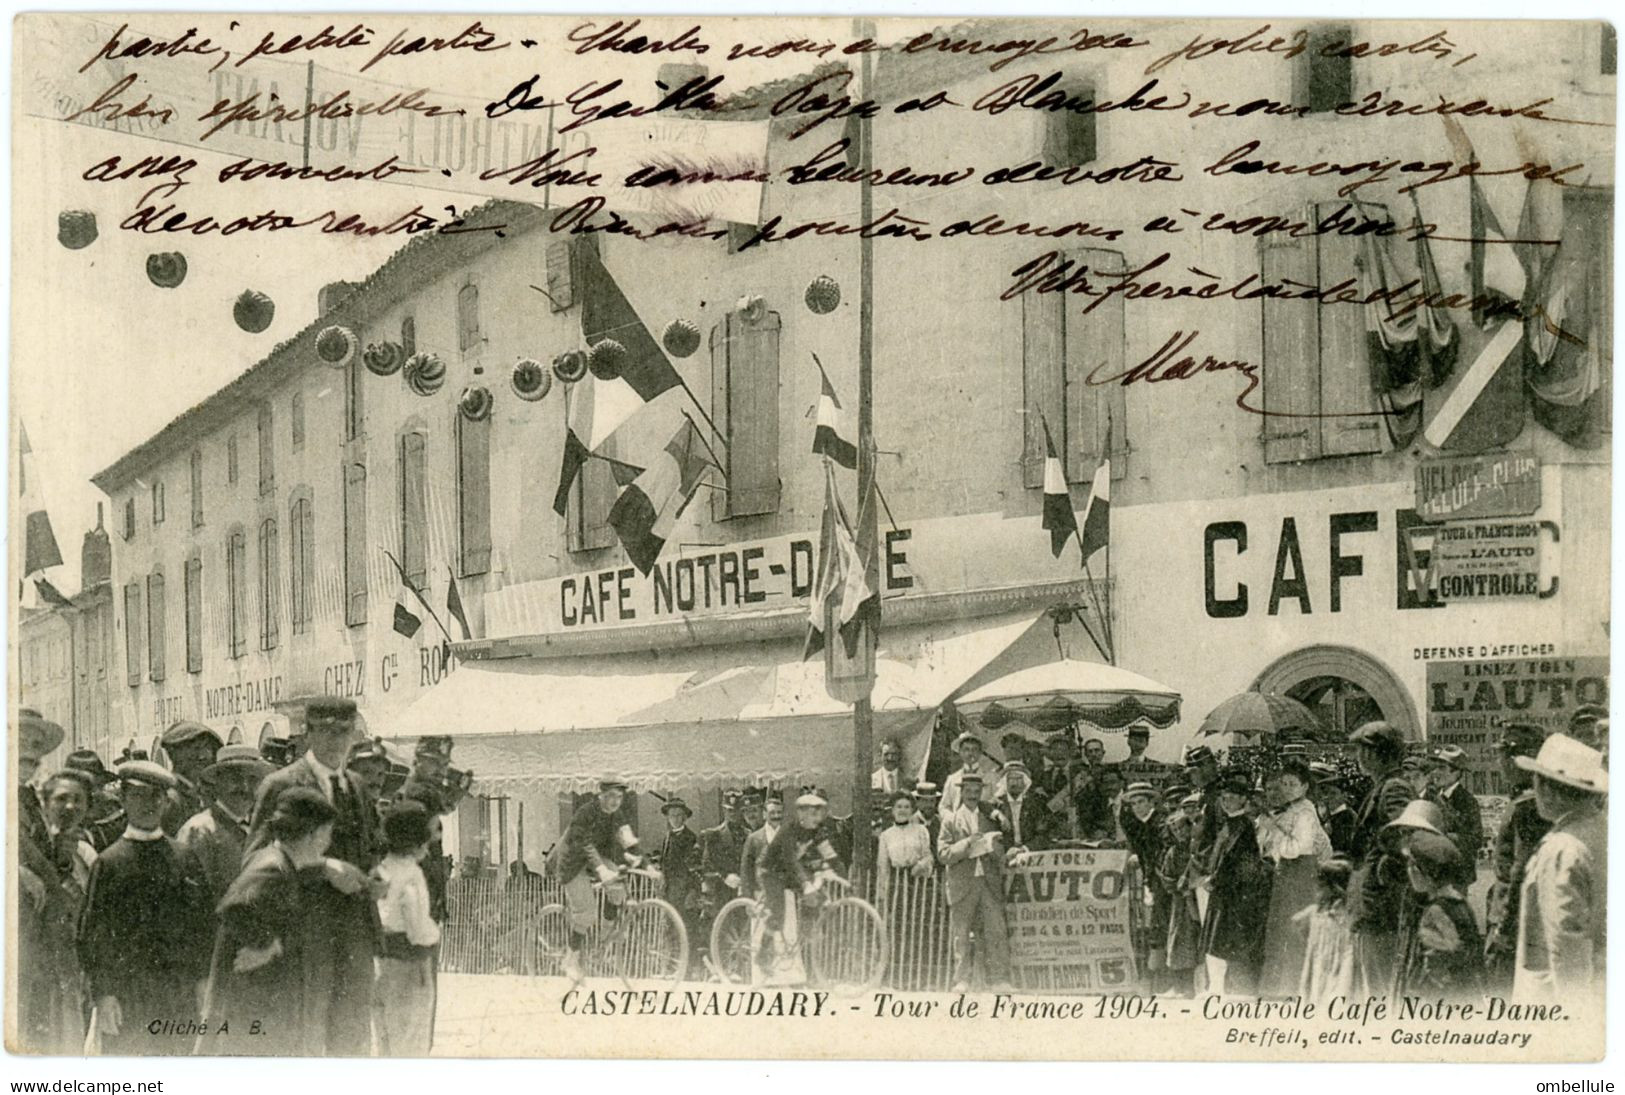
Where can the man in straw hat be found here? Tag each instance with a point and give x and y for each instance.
(971, 847)
(217, 836)
(972, 759)
(1515, 842)
(1562, 926)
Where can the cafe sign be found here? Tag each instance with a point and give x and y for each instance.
(1489, 485)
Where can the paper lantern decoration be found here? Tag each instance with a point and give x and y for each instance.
(424, 373)
(530, 380)
(336, 345)
(253, 311)
(681, 338)
(823, 295)
(166, 269)
(383, 358)
(570, 366)
(607, 359)
(475, 403)
(76, 228)
(753, 308)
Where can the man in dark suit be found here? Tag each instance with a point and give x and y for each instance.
(1379, 885)
(721, 850)
(680, 863)
(756, 845)
(1332, 799)
(926, 799)
(343, 918)
(1025, 812)
(1464, 820)
(191, 747)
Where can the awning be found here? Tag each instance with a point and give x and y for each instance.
(1055, 693)
(697, 716)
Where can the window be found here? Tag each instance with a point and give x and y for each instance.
(1069, 133)
(355, 398)
(1323, 76)
(194, 614)
(409, 336)
(355, 543)
(468, 317)
(1316, 378)
(267, 452)
(302, 560)
(132, 634)
(157, 502)
(270, 586)
(196, 480)
(231, 459)
(745, 405)
(129, 518)
(414, 510)
(297, 415)
(155, 625)
(1061, 345)
(586, 517)
(237, 591)
(474, 495)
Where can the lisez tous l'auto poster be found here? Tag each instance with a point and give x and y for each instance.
(1068, 914)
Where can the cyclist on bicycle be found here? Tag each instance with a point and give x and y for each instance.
(797, 860)
(595, 847)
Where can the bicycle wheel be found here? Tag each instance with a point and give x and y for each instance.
(847, 949)
(650, 944)
(552, 940)
(731, 950)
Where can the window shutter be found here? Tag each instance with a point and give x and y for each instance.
(474, 495)
(231, 459)
(1069, 136)
(590, 502)
(237, 575)
(468, 317)
(409, 335)
(1291, 334)
(1094, 341)
(155, 626)
(1320, 82)
(414, 532)
(197, 488)
(194, 615)
(355, 543)
(355, 397)
(270, 587)
(302, 561)
(297, 415)
(132, 634)
(1042, 387)
(750, 364)
(560, 274)
(267, 452)
(1345, 370)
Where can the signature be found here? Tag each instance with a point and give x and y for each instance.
(1163, 364)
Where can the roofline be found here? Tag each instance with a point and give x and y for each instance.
(381, 289)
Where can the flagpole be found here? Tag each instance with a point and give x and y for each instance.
(422, 600)
(862, 710)
(880, 494)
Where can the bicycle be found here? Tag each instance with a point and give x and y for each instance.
(647, 941)
(843, 947)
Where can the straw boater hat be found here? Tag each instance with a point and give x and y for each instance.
(967, 736)
(812, 798)
(926, 790)
(1569, 762)
(147, 772)
(1136, 790)
(1419, 813)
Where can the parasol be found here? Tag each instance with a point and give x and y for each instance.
(1261, 713)
(1054, 695)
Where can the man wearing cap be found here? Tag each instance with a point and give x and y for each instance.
(596, 846)
(146, 934)
(1463, 819)
(680, 862)
(1139, 768)
(889, 776)
(972, 759)
(722, 848)
(216, 837)
(1521, 830)
(190, 747)
(1444, 955)
(1377, 890)
(927, 799)
(105, 822)
(972, 847)
(1026, 815)
(1145, 829)
(1332, 800)
(1562, 922)
(800, 855)
(1585, 723)
(431, 762)
(343, 916)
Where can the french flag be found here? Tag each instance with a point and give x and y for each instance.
(833, 435)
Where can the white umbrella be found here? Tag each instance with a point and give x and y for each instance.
(1056, 693)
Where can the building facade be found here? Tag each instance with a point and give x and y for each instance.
(261, 539)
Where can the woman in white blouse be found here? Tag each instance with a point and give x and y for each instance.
(904, 846)
(405, 981)
(1291, 837)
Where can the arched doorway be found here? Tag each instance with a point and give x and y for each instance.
(1344, 687)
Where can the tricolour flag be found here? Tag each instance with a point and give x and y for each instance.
(645, 513)
(406, 622)
(597, 408)
(40, 549)
(1097, 522)
(833, 436)
(1059, 519)
(842, 596)
(454, 605)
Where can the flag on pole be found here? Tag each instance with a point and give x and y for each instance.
(406, 622)
(1097, 518)
(1059, 519)
(50, 594)
(645, 513)
(454, 605)
(598, 407)
(841, 593)
(40, 549)
(833, 436)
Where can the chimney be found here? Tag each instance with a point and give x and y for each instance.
(331, 295)
(96, 556)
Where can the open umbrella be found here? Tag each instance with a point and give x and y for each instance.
(1051, 696)
(1261, 713)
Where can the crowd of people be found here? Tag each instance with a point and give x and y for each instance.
(224, 905)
